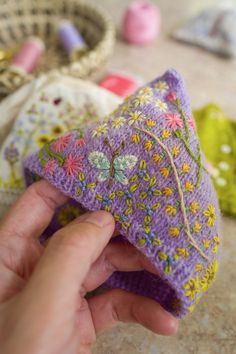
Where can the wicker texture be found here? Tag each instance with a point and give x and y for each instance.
(20, 19)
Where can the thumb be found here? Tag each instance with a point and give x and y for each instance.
(68, 257)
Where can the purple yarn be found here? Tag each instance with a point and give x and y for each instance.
(144, 165)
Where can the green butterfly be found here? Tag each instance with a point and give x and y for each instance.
(114, 169)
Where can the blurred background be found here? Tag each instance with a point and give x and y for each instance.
(198, 38)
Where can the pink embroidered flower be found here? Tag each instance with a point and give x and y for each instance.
(79, 142)
(50, 167)
(73, 164)
(61, 143)
(173, 120)
(192, 123)
(171, 96)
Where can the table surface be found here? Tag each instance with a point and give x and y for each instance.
(211, 329)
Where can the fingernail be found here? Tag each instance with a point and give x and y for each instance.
(99, 218)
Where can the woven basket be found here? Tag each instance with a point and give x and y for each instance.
(20, 19)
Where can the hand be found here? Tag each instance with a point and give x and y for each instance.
(42, 289)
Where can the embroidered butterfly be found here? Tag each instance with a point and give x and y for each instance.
(114, 169)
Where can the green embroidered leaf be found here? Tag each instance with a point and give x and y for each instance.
(153, 181)
(125, 225)
(81, 176)
(141, 206)
(120, 193)
(129, 202)
(103, 176)
(107, 207)
(146, 177)
(143, 164)
(133, 188)
(91, 185)
(143, 195)
(147, 219)
(156, 206)
(112, 195)
(99, 197)
(156, 241)
(134, 178)
(128, 211)
(142, 242)
(120, 177)
(125, 162)
(78, 191)
(157, 192)
(99, 160)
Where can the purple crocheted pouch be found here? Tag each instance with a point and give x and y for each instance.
(145, 166)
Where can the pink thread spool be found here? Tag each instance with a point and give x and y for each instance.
(27, 58)
(141, 22)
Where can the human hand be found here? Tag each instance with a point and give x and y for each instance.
(42, 289)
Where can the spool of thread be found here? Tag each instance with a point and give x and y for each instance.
(71, 40)
(28, 56)
(141, 22)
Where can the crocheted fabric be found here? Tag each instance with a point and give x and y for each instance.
(144, 165)
(217, 135)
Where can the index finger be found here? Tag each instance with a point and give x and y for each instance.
(33, 211)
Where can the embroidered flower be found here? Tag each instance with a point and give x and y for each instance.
(162, 86)
(194, 206)
(150, 123)
(124, 218)
(149, 211)
(210, 214)
(175, 151)
(135, 138)
(141, 100)
(157, 158)
(106, 202)
(167, 192)
(50, 167)
(142, 173)
(61, 143)
(192, 123)
(209, 275)
(149, 238)
(197, 227)
(161, 105)
(165, 172)
(185, 168)
(79, 142)
(117, 123)
(152, 190)
(58, 129)
(83, 185)
(192, 287)
(148, 145)
(43, 139)
(199, 267)
(135, 117)
(206, 243)
(173, 120)
(100, 130)
(128, 194)
(170, 210)
(73, 164)
(171, 96)
(216, 240)
(146, 91)
(166, 134)
(189, 186)
(174, 231)
(182, 252)
(67, 214)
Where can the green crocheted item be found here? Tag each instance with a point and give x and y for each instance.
(217, 136)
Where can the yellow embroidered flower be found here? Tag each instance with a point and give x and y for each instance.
(150, 123)
(199, 267)
(170, 210)
(210, 214)
(43, 139)
(167, 191)
(125, 108)
(166, 134)
(192, 287)
(185, 168)
(175, 151)
(162, 106)
(165, 172)
(197, 227)
(206, 243)
(135, 138)
(209, 275)
(67, 214)
(216, 240)
(117, 123)
(156, 158)
(194, 206)
(182, 252)
(58, 129)
(174, 231)
(162, 86)
(141, 100)
(135, 117)
(148, 145)
(189, 186)
(100, 130)
(162, 255)
(146, 91)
